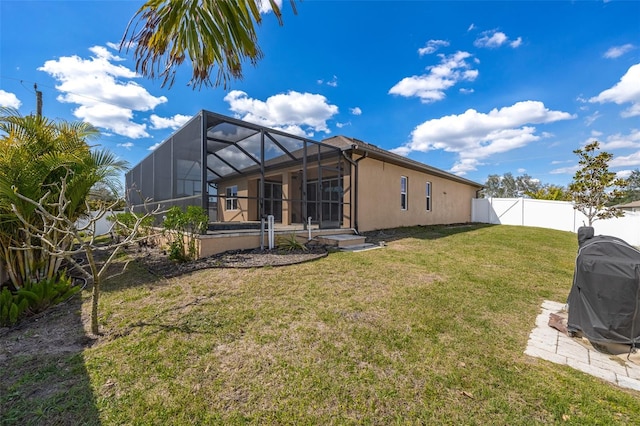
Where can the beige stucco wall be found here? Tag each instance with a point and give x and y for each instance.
(246, 208)
(379, 197)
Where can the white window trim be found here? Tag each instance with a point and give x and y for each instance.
(405, 193)
(231, 200)
(428, 198)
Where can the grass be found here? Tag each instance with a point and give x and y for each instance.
(429, 330)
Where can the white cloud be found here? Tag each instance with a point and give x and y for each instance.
(154, 146)
(8, 99)
(292, 112)
(430, 87)
(355, 111)
(341, 125)
(432, 46)
(105, 92)
(617, 51)
(516, 43)
(466, 91)
(471, 27)
(168, 123)
(627, 90)
(623, 174)
(494, 39)
(475, 136)
(522, 170)
(619, 141)
(126, 145)
(590, 119)
(630, 160)
(265, 7)
(616, 141)
(126, 45)
(565, 170)
(333, 82)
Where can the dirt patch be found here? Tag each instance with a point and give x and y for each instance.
(56, 331)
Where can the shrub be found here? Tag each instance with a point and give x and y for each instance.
(124, 223)
(34, 297)
(192, 221)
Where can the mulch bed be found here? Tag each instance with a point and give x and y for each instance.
(158, 263)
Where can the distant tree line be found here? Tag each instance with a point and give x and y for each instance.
(509, 186)
(594, 190)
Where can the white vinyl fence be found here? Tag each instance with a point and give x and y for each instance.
(103, 226)
(551, 214)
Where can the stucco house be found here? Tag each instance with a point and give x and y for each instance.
(633, 206)
(340, 184)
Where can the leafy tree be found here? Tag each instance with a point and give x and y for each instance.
(210, 34)
(594, 187)
(508, 186)
(36, 153)
(631, 190)
(492, 187)
(550, 192)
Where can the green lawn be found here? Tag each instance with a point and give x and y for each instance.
(429, 330)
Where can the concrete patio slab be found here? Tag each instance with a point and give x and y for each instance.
(548, 343)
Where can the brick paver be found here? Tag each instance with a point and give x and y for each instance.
(548, 343)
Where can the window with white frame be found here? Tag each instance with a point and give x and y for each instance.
(428, 195)
(403, 192)
(232, 198)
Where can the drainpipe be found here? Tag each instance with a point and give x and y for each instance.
(355, 190)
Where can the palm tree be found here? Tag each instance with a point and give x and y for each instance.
(36, 156)
(209, 33)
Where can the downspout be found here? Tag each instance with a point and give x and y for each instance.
(355, 189)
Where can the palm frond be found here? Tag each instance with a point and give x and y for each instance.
(216, 36)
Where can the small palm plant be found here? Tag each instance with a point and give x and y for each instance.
(290, 243)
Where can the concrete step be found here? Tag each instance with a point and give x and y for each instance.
(341, 240)
(361, 247)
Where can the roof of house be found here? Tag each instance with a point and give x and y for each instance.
(355, 145)
(631, 205)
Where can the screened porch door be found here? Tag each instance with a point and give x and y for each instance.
(324, 202)
(273, 200)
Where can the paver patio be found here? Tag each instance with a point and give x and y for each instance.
(548, 343)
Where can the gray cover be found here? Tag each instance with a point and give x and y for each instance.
(605, 296)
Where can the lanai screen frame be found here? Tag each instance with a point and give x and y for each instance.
(172, 174)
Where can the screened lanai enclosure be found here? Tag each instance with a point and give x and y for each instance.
(241, 173)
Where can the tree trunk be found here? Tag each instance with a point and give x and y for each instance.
(94, 306)
(95, 295)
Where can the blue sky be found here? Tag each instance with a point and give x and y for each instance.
(474, 88)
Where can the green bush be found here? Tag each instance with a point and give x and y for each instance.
(10, 308)
(193, 221)
(125, 222)
(34, 297)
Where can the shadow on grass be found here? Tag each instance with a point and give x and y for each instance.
(44, 377)
(427, 232)
(128, 273)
